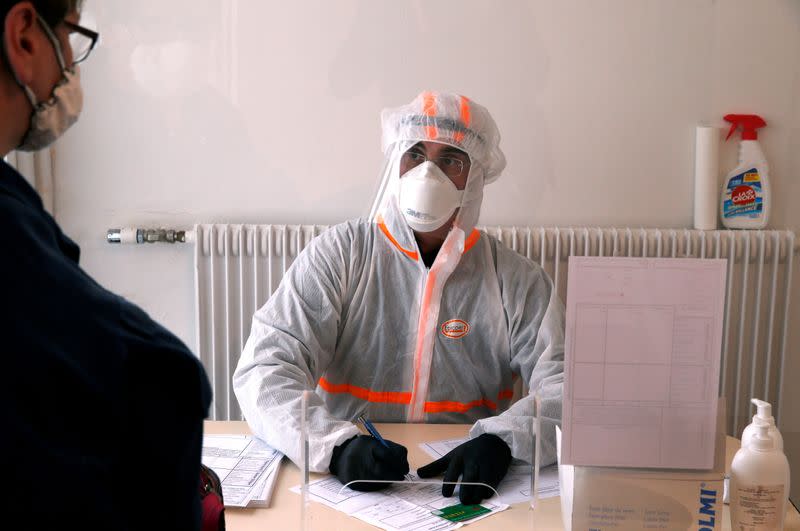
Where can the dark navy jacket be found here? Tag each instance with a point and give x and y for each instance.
(101, 409)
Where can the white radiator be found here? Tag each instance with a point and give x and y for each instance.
(239, 266)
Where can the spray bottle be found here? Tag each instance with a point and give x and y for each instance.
(746, 201)
(764, 417)
(759, 484)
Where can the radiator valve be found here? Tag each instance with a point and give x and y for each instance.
(130, 235)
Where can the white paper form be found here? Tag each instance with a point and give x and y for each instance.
(516, 486)
(247, 467)
(400, 507)
(642, 361)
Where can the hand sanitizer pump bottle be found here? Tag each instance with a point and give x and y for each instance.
(759, 484)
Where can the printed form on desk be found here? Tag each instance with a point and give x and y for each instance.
(401, 507)
(246, 466)
(642, 361)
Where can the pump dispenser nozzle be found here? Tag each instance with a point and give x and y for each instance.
(763, 417)
(762, 440)
(750, 124)
(763, 411)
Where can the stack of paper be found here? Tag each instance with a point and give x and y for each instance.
(246, 466)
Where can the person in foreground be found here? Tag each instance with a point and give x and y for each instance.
(101, 408)
(414, 316)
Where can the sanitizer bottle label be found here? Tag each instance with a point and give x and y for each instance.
(743, 196)
(758, 506)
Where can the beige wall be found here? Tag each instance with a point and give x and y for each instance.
(267, 111)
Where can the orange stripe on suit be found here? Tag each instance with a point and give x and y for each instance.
(369, 395)
(401, 397)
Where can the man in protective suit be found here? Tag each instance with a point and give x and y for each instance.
(412, 315)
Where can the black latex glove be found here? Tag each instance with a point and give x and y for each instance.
(364, 457)
(484, 459)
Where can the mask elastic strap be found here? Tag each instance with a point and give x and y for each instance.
(29, 93)
(53, 41)
(59, 57)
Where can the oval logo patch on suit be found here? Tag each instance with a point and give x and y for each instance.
(455, 328)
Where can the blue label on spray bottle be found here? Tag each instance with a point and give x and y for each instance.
(743, 196)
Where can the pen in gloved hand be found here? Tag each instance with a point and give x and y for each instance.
(371, 429)
(374, 432)
(368, 464)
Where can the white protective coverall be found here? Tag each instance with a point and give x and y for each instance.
(360, 317)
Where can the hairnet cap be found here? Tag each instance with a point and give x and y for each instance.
(451, 119)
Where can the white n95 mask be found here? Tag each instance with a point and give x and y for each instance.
(428, 198)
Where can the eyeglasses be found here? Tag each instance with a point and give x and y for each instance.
(82, 40)
(451, 165)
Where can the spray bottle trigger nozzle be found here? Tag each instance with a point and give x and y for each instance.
(750, 124)
(733, 128)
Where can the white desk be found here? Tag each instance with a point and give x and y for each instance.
(284, 509)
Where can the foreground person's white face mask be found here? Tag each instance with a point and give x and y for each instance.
(51, 118)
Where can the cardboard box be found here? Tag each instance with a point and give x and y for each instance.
(605, 499)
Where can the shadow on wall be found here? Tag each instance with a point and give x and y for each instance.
(166, 85)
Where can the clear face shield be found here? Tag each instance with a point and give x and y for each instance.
(443, 118)
(428, 186)
(390, 171)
